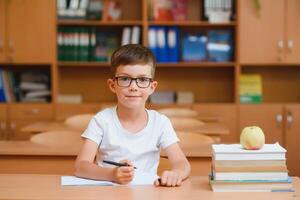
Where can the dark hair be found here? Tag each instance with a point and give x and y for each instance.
(132, 54)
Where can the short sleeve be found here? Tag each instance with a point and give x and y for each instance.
(94, 131)
(168, 136)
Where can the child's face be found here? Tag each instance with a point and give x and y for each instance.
(135, 94)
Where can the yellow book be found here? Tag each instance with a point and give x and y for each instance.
(250, 88)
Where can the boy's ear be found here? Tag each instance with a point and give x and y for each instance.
(153, 86)
(111, 84)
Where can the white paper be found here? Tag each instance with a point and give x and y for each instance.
(140, 178)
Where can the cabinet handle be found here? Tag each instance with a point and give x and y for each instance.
(279, 120)
(280, 45)
(1, 45)
(290, 45)
(11, 45)
(289, 119)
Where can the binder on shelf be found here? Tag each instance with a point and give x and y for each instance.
(152, 41)
(126, 36)
(173, 46)
(135, 36)
(2, 92)
(162, 48)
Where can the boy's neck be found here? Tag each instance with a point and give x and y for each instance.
(133, 120)
(130, 114)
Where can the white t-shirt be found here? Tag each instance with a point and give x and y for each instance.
(116, 143)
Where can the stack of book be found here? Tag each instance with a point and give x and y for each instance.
(235, 169)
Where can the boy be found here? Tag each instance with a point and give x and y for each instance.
(129, 133)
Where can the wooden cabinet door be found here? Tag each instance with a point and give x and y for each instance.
(293, 32)
(225, 114)
(292, 138)
(267, 116)
(3, 121)
(2, 30)
(31, 31)
(261, 35)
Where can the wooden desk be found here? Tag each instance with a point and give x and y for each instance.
(27, 157)
(29, 186)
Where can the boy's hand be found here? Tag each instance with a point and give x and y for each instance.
(124, 175)
(169, 179)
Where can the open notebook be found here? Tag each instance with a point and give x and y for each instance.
(140, 178)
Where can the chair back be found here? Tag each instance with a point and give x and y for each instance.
(79, 122)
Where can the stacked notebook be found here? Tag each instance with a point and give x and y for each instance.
(235, 169)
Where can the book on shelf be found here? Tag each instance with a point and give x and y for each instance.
(163, 97)
(94, 10)
(70, 98)
(220, 45)
(194, 47)
(250, 88)
(185, 97)
(252, 186)
(237, 152)
(168, 10)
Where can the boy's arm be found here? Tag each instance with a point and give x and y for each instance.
(180, 166)
(85, 166)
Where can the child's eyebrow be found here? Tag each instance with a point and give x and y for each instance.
(141, 75)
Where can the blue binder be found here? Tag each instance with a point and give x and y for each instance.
(152, 41)
(2, 93)
(162, 52)
(173, 47)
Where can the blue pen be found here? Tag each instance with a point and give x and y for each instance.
(116, 163)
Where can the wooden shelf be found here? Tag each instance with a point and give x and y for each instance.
(83, 64)
(98, 23)
(270, 65)
(190, 23)
(196, 64)
(163, 65)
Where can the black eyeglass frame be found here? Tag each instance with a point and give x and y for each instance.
(133, 79)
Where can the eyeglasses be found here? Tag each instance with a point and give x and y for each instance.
(125, 81)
